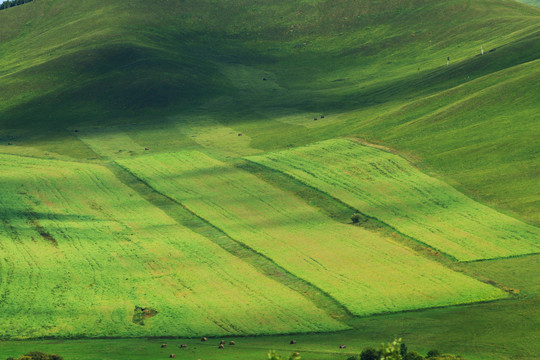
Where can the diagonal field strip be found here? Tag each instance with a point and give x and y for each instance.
(364, 271)
(79, 250)
(263, 264)
(387, 187)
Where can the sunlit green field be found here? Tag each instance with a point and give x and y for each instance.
(361, 269)
(385, 186)
(80, 250)
(477, 332)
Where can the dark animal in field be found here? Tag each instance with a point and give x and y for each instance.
(264, 79)
(222, 342)
(172, 355)
(147, 148)
(342, 346)
(232, 343)
(10, 143)
(293, 342)
(322, 116)
(204, 339)
(76, 130)
(183, 346)
(239, 134)
(163, 345)
(221, 346)
(315, 119)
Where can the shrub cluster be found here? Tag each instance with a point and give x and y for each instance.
(395, 350)
(11, 3)
(37, 355)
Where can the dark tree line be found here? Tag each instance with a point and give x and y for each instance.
(12, 3)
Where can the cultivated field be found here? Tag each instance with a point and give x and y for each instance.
(361, 269)
(79, 251)
(385, 186)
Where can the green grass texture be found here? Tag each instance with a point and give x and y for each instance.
(363, 270)
(65, 64)
(385, 186)
(80, 250)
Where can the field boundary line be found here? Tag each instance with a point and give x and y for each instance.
(500, 258)
(260, 262)
(70, 161)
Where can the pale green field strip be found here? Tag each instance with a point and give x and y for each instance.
(361, 269)
(110, 142)
(387, 187)
(79, 250)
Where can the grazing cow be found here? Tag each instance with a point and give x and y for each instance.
(239, 134)
(342, 346)
(222, 342)
(146, 148)
(293, 342)
(322, 116)
(10, 143)
(204, 339)
(163, 345)
(172, 355)
(232, 343)
(221, 346)
(315, 119)
(183, 346)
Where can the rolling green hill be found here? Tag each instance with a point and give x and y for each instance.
(372, 65)
(156, 155)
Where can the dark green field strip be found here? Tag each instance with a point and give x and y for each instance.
(259, 261)
(518, 275)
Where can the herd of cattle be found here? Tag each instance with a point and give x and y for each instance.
(223, 342)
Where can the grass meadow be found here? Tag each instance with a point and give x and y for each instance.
(94, 227)
(363, 270)
(477, 332)
(80, 250)
(385, 186)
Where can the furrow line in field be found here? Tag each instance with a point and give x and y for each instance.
(262, 263)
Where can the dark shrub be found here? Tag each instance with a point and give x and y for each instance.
(433, 353)
(413, 355)
(403, 349)
(370, 354)
(357, 218)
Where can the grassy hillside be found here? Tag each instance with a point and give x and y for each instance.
(365, 272)
(80, 251)
(379, 72)
(383, 185)
(123, 131)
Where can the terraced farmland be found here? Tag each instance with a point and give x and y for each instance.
(361, 269)
(79, 251)
(385, 186)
